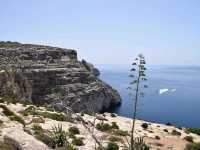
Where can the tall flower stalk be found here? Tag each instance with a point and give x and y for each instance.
(137, 76)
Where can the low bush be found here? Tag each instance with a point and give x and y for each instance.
(103, 127)
(74, 130)
(176, 133)
(121, 133)
(4, 146)
(18, 119)
(189, 139)
(194, 130)
(157, 137)
(139, 144)
(114, 125)
(114, 139)
(37, 127)
(7, 111)
(159, 144)
(52, 115)
(59, 136)
(13, 99)
(1, 100)
(41, 135)
(82, 114)
(48, 108)
(45, 138)
(12, 115)
(144, 125)
(69, 147)
(113, 115)
(78, 141)
(112, 146)
(165, 130)
(193, 146)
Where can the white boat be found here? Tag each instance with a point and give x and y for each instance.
(161, 91)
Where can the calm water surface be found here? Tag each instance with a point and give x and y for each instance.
(180, 105)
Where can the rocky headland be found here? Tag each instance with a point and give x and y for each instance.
(54, 76)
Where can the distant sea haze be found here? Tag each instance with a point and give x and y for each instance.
(173, 93)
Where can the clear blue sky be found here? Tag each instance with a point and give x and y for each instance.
(108, 31)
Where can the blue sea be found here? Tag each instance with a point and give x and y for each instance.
(173, 93)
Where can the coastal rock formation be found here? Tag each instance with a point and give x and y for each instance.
(56, 77)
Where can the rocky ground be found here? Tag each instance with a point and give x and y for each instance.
(21, 128)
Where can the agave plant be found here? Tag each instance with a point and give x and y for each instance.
(138, 144)
(138, 75)
(59, 136)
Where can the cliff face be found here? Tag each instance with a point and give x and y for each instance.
(57, 78)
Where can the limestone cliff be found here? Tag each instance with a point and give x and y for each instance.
(57, 78)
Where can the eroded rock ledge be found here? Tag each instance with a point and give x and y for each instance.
(56, 77)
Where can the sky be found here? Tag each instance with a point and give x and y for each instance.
(167, 32)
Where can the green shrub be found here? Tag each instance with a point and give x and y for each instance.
(157, 137)
(9, 99)
(37, 128)
(114, 139)
(12, 115)
(4, 146)
(74, 130)
(52, 115)
(69, 147)
(165, 130)
(113, 115)
(189, 139)
(55, 138)
(50, 109)
(1, 100)
(139, 144)
(144, 125)
(7, 111)
(82, 114)
(29, 111)
(112, 146)
(121, 133)
(14, 99)
(78, 141)
(103, 127)
(101, 148)
(18, 119)
(193, 146)
(41, 135)
(176, 133)
(194, 130)
(45, 138)
(59, 136)
(28, 130)
(114, 125)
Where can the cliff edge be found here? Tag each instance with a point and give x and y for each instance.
(54, 76)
